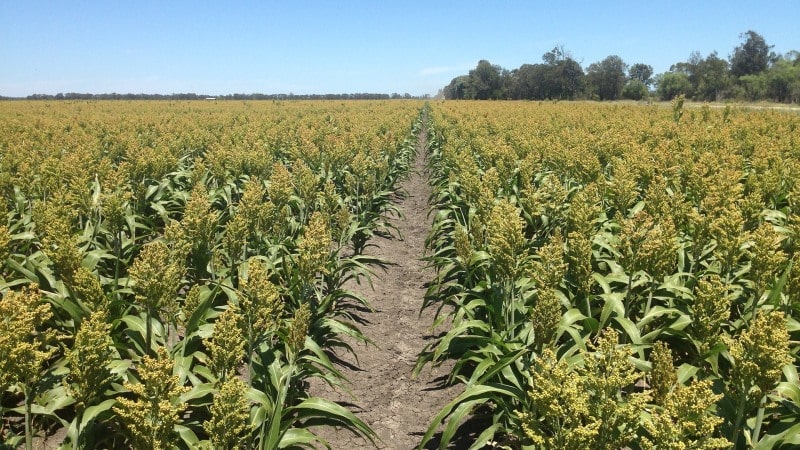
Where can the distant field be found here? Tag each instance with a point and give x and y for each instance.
(605, 275)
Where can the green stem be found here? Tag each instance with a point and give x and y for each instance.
(649, 302)
(627, 305)
(118, 256)
(756, 296)
(78, 419)
(250, 350)
(737, 427)
(148, 331)
(275, 421)
(759, 419)
(250, 364)
(28, 425)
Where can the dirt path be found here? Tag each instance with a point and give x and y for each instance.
(396, 405)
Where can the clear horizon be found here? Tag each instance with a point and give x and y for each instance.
(316, 47)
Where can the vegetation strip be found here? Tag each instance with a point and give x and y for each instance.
(616, 276)
(173, 273)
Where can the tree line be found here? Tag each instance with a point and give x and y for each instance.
(193, 96)
(752, 72)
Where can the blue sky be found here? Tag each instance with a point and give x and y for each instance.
(305, 46)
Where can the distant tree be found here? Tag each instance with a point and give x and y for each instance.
(709, 77)
(558, 53)
(607, 78)
(484, 81)
(690, 68)
(526, 82)
(753, 87)
(713, 80)
(457, 89)
(558, 77)
(641, 72)
(753, 56)
(673, 84)
(782, 81)
(570, 78)
(506, 85)
(634, 90)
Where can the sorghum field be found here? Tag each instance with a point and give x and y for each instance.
(600, 276)
(617, 276)
(172, 272)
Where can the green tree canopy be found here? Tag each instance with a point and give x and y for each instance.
(753, 56)
(673, 84)
(607, 77)
(641, 72)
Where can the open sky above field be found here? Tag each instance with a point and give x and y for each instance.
(349, 46)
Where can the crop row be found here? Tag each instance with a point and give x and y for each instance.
(172, 274)
(616, 276)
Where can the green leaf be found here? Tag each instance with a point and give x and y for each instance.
(457, 331)
(198, 392)
(187, 436)
(93, 411)
(75, 312)
(685, 372)
(571, 316)
(602, 282)
(135, 323)
(300, 437)
(455, 420)
(774, 296)
(774, 441)
(91, 258)
(119, 366)
(334, 413)
(487, 435)
(790, 372)
(613, 304)
(500, 365)
(630, 330)
(654, 313)
(471, 394)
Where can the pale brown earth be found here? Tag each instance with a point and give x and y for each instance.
(385, 394)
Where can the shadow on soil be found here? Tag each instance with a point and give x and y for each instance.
(465, 435)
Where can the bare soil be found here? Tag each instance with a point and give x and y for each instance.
(383, 392)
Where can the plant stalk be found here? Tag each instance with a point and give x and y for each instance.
(759, 419)
(28, 424)
(737, 427)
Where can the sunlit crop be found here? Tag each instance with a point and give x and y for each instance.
(172, 272)
(616, 276)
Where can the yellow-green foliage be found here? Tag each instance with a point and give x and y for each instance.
(226, 345)
(5, 240)
(260, 303)
(585, 407)
(314, 248)
(675, 228)
(759, 355)
(153, 411)
(299, 327)
(686, 420)
(24, 339)
(143, 220)
(88, 360)
(230, 411)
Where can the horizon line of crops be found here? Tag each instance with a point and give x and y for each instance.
(616, 276)
(173, 274)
